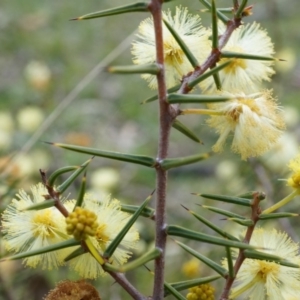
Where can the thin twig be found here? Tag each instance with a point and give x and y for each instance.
(54, 195)
(212, 59)
(127, 286)
(256, 210)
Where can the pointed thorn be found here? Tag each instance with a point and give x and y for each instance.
(151, 272)
(75, 19)
(185, 207)
(281, 59)
(196, 194)
(152, 193)
(50, 143)
(148, 269)
(113, 283)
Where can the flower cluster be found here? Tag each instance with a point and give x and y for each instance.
(28, 230)
(110, 221)
(294, 180)
(261, 279)
(247, 117)
(202, 291)
(73, 290)
(244, 74)
(177, 65)
(252, 111)
(191, 268)
(81, 223)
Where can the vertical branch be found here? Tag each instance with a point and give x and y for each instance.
(167, 114)
(165, 122)
(255, 212)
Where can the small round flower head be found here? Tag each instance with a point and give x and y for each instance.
(203, 291)
(255, 121)
(81, 223)
(267, 280)
(27, 230)
(110, 220)
(73, 290)
(177, 65)
(244, 74)
(191, 268)
(294, 180)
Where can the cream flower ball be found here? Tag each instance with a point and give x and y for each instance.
(255, 122)
(177, 65)
(244, 74)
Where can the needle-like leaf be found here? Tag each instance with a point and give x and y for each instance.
(134, 7)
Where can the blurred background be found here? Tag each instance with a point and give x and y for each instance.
(53, 88)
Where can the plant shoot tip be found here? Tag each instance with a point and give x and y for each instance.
(148, 268)
(50, 143)
(185, 207)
